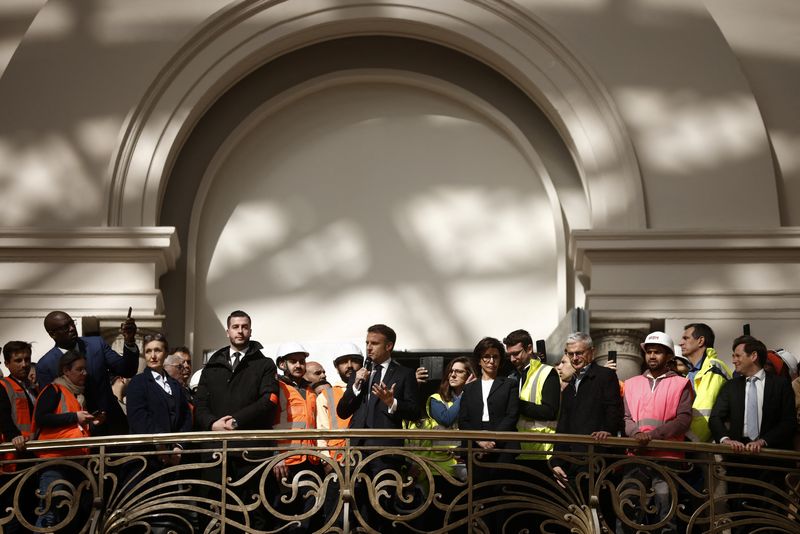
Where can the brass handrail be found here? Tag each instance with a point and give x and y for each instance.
(405, 484)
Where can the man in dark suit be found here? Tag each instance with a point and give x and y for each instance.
(753, 410)
(772, 423)
(101, 364)
(384, 396)
(379, 395)
(591, 405)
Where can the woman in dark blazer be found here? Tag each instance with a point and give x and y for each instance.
(501, 396)
(156, 401)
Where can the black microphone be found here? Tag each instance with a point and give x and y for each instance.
(368, 363)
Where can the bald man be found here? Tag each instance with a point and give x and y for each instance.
(314, 372)
(102, 362)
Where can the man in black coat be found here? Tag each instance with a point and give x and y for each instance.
(753, 410)
(591, 405)
(234, 394)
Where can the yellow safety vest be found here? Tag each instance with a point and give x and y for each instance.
(534, 383)
(438, 450)
(707, 382)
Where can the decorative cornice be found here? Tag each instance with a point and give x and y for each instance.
(714, 305)
(684, 246)
(108, 244)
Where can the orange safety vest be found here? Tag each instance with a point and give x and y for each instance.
(68, 404)
(20, 414)
(333, 394)
(651, 409)
(297, 409)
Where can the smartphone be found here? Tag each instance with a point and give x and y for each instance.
(97, 413)
(746, 329)
(130, 310)
(612, 355)
(434, 365)
(541, 350)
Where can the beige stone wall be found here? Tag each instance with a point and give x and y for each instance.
(680, 116)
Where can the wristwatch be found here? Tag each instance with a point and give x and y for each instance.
(234, 424)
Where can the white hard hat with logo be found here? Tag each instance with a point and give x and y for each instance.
(659, 338)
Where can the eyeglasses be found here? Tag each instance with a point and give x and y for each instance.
(458, 371)
(516, 353)
(66, 327)
(578, 353)
(488, 358)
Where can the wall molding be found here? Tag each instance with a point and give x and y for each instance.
(158, 245)
(781, 245)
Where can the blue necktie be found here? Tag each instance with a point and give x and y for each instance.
(752, 409)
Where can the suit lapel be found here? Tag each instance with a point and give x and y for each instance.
(769, 393)
(495, 386)
(388, 373)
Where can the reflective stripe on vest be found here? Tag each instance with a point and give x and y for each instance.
(434, 425)
(297, 409)
(67, 404)
(334, 421)
(652, 408)
(707, 383)
(20, 407)
(439, 450)
(534, 383)
(332, 395)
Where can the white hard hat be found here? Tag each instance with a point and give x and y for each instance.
(194, 381)
(347, 350)
(659, 338)
(290, 347)
(789, 358)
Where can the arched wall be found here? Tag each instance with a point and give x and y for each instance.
(402, 62)
(375, 196)
(507, 39)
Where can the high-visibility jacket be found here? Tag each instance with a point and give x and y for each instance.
(438, 450)
(328, 419)
(297, 410)
(532, 392)
(68, 403)
(707, 382)
(652, 408)
(20, 414)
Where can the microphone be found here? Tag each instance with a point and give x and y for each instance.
(368, 363)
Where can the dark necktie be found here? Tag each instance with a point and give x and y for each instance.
(235, 361)
(372, 403)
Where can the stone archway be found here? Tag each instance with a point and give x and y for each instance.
(507, 39)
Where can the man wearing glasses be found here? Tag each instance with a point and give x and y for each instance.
(590, 404)
(539, 398)
(102, 362)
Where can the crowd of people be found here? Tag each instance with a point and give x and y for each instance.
(81, 387)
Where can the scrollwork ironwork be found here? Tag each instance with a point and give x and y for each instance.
(127, 484)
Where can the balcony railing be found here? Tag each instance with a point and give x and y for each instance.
(225, 482)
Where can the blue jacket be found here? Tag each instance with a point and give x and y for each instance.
(101, 364)
(148, 412)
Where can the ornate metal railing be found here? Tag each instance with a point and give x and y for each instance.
(126, 484)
